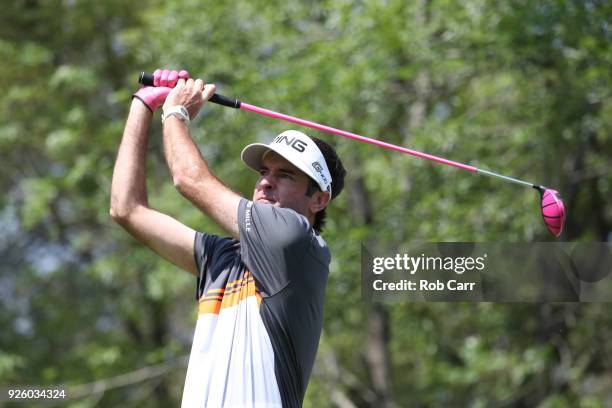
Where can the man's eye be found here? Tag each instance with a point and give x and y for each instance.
(262, 172)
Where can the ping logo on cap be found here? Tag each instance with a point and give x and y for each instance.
(294, 142)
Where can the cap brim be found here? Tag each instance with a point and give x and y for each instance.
(252, 154)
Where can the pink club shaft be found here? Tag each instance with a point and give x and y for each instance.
(340, 132)
(148, 79)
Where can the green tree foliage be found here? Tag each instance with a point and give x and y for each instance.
(521, 88)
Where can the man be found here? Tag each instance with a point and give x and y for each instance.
(260, 292)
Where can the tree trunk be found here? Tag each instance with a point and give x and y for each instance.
(377, 353)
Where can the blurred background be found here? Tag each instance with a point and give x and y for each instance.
(519, 87)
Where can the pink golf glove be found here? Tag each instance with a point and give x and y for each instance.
(164, 80)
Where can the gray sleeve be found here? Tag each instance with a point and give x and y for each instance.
(273, 241)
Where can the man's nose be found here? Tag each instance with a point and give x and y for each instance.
(266, 182)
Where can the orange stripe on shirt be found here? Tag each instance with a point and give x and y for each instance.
(234, 292)
(215, 291)
(209, 307)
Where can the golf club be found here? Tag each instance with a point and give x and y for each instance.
(551, 205)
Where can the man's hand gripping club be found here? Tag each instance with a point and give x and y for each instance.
(163, 80)
(189, 94)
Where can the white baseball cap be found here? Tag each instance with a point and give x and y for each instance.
(298, 149)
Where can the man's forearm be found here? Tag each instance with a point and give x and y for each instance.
(190, 172)
(185, 162)
(129, 184)
(194, 180)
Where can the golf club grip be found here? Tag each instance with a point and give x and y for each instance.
(147, 79)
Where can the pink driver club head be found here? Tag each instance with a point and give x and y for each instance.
(553, 210)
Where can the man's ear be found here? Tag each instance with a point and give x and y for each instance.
(319, 201)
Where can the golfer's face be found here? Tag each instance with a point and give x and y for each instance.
(281, 184)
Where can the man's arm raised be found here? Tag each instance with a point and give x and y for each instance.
(129, 205)
(189, 170)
